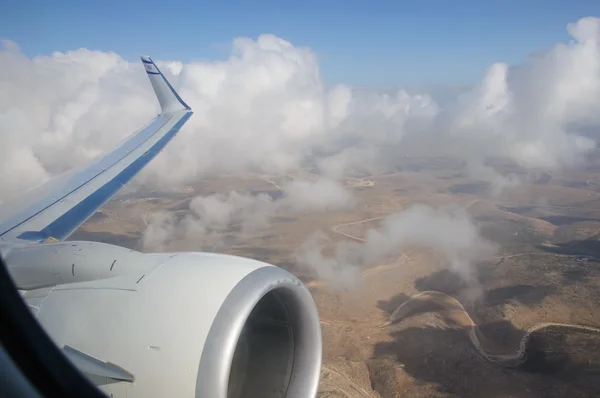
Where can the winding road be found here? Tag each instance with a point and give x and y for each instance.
(450, 308)
(453, 310)
(336, 228)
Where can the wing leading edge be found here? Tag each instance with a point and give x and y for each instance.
(55, 209)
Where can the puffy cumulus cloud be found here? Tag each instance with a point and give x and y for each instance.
(340, 269)
(477, 169)
(530, 112)
(266, 108)
(60, 111)
(213, 223)
(370, 137)
(219, 220)
(450, 231)
(263, 108)
(161, 228)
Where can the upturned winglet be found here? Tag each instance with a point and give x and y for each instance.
(168, 98)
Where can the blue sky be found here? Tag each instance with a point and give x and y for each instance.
(364, 43)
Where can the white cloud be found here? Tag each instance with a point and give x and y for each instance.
(450, 231)
(219, 220)
(265, 107)
(527, 112)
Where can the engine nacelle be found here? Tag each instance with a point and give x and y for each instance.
(196, 325)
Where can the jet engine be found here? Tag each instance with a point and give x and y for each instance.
(177, 324)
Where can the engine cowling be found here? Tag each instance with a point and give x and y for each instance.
(195, 325)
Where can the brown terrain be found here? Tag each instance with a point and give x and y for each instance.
(527, 328)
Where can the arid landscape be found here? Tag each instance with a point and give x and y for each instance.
(523, 321)
(429, 171)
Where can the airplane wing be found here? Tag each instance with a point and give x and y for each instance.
(55, 209)
(147, 325)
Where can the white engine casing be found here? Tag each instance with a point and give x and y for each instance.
(179, 327)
